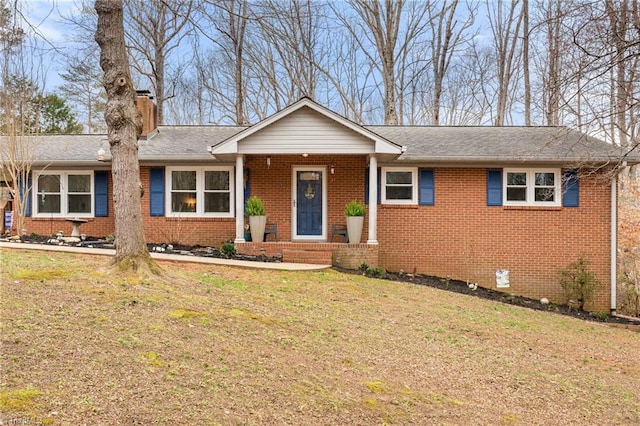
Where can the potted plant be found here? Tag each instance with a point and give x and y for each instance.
(355, 220)
(257, 218)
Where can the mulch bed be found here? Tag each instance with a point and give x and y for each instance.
(502, 297)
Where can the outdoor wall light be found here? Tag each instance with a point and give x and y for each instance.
(268, 162)
(100, 154)
(305, 155)
(333, 169)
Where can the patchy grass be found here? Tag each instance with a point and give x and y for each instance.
(18, 399)
(218, 345)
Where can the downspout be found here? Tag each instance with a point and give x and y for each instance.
(614, 242)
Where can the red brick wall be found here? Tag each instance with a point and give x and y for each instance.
(459, 236)
(462, 237)
(274, 185)
(179, 230)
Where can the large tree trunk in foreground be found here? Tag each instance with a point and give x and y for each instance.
(124, 125)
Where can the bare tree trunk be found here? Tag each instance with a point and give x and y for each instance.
(155, 28)
(124, 125)
(554, 68)
(448, 36)
(506, 43)
(384, 24)
(618, 23)
(525, 62)
(238, 25)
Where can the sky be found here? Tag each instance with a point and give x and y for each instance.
(43, 20)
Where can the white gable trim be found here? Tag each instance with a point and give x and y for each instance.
(379, 145)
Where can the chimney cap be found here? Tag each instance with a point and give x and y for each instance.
(145, 92)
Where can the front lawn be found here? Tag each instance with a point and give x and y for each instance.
(219, 345)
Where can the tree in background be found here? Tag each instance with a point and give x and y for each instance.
(448, 35)
(379, 24)
(629, 247)
(226, 90)
(124, 125)
(505, 22)
(155, 29)
(50, 115)
(83, 89)
(19, 72)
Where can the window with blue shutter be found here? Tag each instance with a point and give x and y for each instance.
(366, 186)
(570, 188)
(101, 188)
(25, 194)
(494, 187)
(156, 191)
(427, 187)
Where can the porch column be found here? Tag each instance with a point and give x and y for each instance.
(239, 199)
(373, 200)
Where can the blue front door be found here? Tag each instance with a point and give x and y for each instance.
(309, 203)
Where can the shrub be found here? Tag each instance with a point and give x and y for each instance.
(255, 207)
(371, 272)
(354, 208)
(228, 249)
(578, 283)
(376, 272)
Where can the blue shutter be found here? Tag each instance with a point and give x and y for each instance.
(25, 194)
(156, 191)
(570, 188)
(247, 191)
(101, 189)
(494, 187)
(366, 186)
(427, 187)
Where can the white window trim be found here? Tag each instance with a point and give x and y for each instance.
(64, 193)
(414, 183)
(199, 191)
(557, 179)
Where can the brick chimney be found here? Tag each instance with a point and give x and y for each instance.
(149, 111)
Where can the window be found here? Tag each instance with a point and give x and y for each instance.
(60, 193)
(532, 187)
(200, 191)
(399, 186)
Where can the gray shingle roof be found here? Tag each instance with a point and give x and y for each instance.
(175, 143)
(170, 144)
(476, 145)
(497, 144)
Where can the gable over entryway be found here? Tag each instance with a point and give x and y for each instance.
(306, 129)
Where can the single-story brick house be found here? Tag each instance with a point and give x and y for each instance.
(463, 202)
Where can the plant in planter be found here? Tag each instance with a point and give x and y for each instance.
(257, 218)
(355, 220)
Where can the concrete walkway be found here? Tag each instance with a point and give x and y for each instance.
(281, 266)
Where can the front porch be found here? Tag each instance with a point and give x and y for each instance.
(349, 256)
